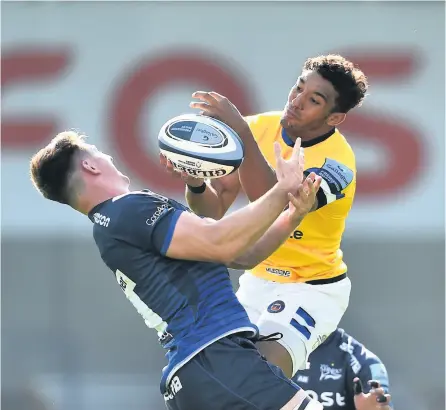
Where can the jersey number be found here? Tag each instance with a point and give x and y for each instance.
(303, 315)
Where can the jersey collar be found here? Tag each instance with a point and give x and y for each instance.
(305, 144)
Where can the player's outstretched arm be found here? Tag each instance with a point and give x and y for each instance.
(282, 228)
(225, 240)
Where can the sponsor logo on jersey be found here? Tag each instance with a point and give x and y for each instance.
(330, 373)
(336, 177)
(276, 306)
(320, 339)
(346, 347)
(101, 219)
(328, 398)
(354, 364)
(174, 387)
(302, 379)
(159, 211)
(279, 272)
(297, 235)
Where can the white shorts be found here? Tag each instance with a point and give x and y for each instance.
(301, 312)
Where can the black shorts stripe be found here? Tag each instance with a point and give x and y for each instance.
(304, 404)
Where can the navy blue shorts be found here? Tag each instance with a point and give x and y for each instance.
(229, 374)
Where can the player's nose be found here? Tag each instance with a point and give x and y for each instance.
(297, 102)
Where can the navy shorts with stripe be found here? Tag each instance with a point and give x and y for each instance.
(229, 374)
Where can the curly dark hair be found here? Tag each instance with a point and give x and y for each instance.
(52, 166)
(349, 81)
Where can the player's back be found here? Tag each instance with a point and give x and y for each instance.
(313, 250)
(334, 365)
(190, 304)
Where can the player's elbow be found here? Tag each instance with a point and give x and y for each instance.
(242, 263)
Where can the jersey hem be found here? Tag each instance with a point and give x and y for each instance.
(192, 355)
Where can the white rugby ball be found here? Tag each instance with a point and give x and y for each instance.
(201, 146)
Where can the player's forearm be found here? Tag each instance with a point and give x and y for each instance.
(207, 203)
(273, 238)
(256, 175)
(236, 233)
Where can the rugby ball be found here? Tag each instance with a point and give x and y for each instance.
(201, 146)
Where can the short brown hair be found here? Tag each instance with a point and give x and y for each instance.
(52, 166)
(349, 81)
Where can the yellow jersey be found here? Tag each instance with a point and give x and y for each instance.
(313, 250)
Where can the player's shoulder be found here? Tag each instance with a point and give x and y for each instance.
(120, 210)
(264, 118)
(354, 347)
(342, 147)
(264, 126)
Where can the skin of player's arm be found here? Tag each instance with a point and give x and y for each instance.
(217, 198)
(256, 175)
(223, 241)
(274, 237)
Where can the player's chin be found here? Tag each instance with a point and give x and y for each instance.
(126, 179)
(289, 122)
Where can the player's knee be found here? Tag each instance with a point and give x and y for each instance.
(278, 355)
(290, 360)
(301, 401)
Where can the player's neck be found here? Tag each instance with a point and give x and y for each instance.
(92, 199)
(308, 138)
(309, 135)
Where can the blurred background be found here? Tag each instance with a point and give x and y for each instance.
(117, 71)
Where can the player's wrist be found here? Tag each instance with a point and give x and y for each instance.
(282, 189)
(197, 189)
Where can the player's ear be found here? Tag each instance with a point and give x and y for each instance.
(88, 165)
(336, 119)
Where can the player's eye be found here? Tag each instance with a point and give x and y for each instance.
(314, 101)
(298, 89)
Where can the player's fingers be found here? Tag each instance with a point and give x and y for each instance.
(279, 159)
(200, 105)
(303, 190)
(378, 392)
(171, 169)
(317, 183)
(293, 200)
(204, 96)
(357, 386)
(296, 149)
(311, 190)
(374, 384)
(217, 96)
(312, 176)
(384, 400)
(163, 160)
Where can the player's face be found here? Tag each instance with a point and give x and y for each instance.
(310, 104)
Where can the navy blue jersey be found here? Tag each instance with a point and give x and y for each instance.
(334, 365)
(190, 304)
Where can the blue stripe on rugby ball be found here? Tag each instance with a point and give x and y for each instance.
(201, 137)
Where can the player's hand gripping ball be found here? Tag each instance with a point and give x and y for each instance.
(200, 146)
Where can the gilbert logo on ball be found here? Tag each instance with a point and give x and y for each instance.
(201, 146)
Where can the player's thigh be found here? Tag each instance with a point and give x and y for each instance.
(253, 295)
(231, 374)
(305, 315)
